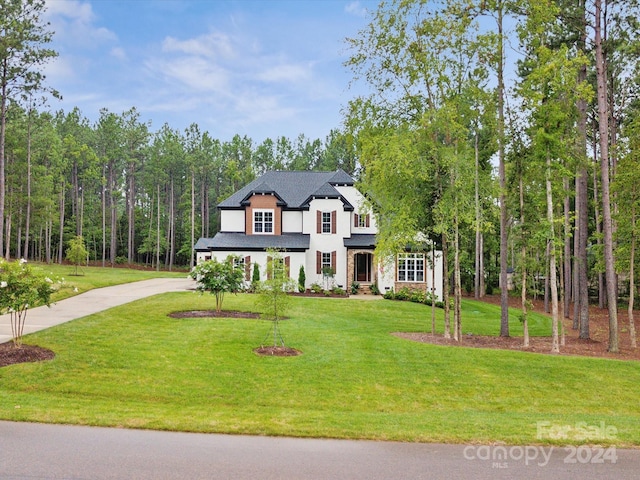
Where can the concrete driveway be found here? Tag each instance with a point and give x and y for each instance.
(91, 302)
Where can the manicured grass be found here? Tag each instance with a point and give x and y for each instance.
(89, 278)
(133, 366)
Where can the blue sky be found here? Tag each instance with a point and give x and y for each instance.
(257, 68)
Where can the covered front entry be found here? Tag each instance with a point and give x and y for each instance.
(363, 267)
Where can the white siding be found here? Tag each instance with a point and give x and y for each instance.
(291, 221)
(232, 221)
(327, 242)
(295, 260)
(355, 198)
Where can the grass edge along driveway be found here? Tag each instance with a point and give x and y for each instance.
(133, 366)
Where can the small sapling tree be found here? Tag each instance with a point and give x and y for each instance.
(21, 287)
(274, 295)
(219, 278)
(77, 252)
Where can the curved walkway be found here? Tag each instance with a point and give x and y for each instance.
(91, 302)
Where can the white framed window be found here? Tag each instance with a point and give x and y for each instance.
(263, 221)
(361, 221)
(326, 261)
(326, 222)
(411, 267)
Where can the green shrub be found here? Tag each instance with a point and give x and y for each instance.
(338, 291)
(302, 279)
(416, 296)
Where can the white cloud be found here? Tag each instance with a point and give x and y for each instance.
(74, 22)
(356, 8)
(286, 73)
(192, 72)
(119, 53)
(212, 45)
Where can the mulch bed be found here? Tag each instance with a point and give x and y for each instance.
(213, 314)
(10, 355)
(277, 351)
(596, 346)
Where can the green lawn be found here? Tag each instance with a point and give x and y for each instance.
(89, 278)
(133, 366)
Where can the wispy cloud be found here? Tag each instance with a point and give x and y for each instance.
(74, 21)
(290, 73)
(356, 8)
(212, 45)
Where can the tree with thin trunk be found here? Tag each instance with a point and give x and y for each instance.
(607, 225)
(23, 35)
(273, 294)
(627, 188)
(77, 252)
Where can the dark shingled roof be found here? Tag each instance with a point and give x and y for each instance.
(360, 240)
(224, 241)
(293, 189)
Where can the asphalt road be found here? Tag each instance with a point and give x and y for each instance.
(56, 452)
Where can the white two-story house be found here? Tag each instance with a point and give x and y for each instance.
(318, 220)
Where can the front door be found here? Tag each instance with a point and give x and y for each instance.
(363, 263)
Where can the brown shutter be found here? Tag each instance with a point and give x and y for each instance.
(319, 221)
(247, 268)
(269, 267)
(367, 220)
(318, 262)
(287, 267)
(355, 220)
(333, 221)
(397, 266)
(333, 261)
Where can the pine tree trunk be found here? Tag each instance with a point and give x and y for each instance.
(61, 233)
(555, 345)
(28, 214)
(131, 201)
(3, 129)
(610, 274)
(478, 250)
(632, 284)
(523, 262)
(172, 228)
(193, 218)
(457, 320)
(567, 273)
(504, 294)
(158, 231)
(445, 286)
(113, 208)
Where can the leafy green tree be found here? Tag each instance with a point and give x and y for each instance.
(218, 278)
(77, 252)
(22, 286)
(24, 35)
(274, 298)
(550, 93)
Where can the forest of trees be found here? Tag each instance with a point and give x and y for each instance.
(507, 131)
